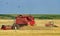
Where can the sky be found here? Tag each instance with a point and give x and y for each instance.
(29, 6)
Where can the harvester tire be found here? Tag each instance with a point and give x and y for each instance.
(15, 26)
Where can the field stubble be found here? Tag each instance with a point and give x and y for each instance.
(52, 32)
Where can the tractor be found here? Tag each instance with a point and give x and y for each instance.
(50, 24)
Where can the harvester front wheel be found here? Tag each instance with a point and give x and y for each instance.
(15, 26)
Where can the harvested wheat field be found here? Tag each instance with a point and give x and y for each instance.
(38, 30)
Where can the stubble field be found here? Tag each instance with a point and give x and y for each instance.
(38, 30)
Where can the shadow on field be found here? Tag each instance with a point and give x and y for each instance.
(36, 28)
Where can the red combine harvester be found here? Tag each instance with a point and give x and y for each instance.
(20, 21)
